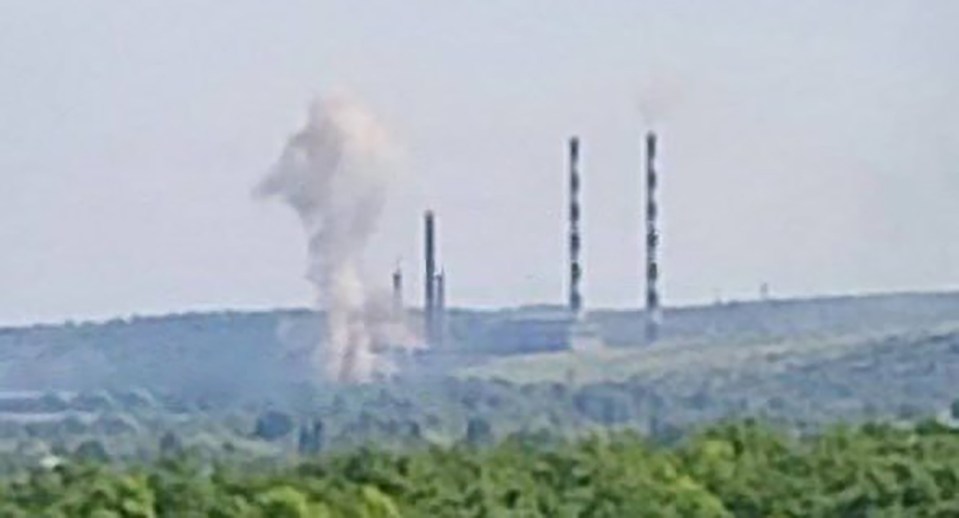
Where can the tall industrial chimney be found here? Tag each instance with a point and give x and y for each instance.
(653, 310)
(398, 292)
(439, 317)
(429, 301)
(575, 269)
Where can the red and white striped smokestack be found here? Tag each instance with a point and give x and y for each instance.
(575, 268)
(653, 310)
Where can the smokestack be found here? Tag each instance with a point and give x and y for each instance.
(429, 304)
(653, 311)
(575, 269)
(439, 317)
(398, 292)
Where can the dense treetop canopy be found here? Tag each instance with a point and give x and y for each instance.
(734, 469)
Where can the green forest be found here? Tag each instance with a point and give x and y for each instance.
(739, 468)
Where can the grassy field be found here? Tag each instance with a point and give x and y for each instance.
(691, 357)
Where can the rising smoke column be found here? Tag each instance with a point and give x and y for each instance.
(333, 174)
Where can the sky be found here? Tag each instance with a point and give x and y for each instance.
(809, 145)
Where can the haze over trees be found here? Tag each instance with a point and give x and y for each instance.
(156, 416)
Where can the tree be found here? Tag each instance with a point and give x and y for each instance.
(478, 432)
(273, 425)
(170, 444)
(311, 438)
(284, 502)
(92, 450)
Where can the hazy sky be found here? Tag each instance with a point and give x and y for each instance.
(813, 145)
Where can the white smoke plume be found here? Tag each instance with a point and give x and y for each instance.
(660, 94)
(334, 174)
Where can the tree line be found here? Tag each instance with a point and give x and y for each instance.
(728, 469)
